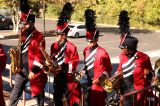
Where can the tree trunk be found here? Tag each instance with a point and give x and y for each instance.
(17, 23)
(15, 20)
(14, 23)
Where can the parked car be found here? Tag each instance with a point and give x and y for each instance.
(76, 30)
(6, 22)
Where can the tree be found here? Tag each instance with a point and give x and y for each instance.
(13, 7)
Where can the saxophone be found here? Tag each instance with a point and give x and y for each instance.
(50, 67)
(15, 55)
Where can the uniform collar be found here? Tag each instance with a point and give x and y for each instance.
(132, 54)
(92, 48)
(30, 31)
(62, 44)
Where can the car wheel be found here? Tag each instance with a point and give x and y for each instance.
(10, 26)
(76, 35)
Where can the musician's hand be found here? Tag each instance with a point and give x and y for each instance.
(82, 73)
(95, 81)
(47, 63)
(121, 100)
(77, 76)
(31, 75)
(59, 68)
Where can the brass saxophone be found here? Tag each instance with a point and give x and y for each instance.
(15, 55)
(50, 66)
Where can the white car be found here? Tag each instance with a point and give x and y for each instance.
(76, 30)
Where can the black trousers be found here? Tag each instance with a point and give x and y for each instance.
(60, 88)
(20, 83)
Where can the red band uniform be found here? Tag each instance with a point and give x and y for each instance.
(65, 78)
(134, 65)
(66, 55)
(134, 78)
(31, 63)
(3, 59)
(97, 62)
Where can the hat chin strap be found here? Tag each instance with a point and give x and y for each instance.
(30, 29)
(62, 40)
(131, 52)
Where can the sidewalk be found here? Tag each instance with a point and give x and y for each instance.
(12, 35)
(8, 34)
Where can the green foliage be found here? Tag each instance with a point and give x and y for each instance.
(152, 12)
(53, 9)
(143, 13)
(36, 6)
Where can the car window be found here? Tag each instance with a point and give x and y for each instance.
(71, 26)
(81, 27)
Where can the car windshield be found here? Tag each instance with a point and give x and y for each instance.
(71, 26)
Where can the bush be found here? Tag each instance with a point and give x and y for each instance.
(143, 13)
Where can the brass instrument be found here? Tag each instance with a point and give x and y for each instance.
(50, 67)
(77, 77)
(15, 55)
(157, 73)
(15, 60)
(113, 99)
(112, 83)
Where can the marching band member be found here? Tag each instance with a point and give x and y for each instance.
(157, 71)
(134, 65)
(97, 62)
(65, 54)
(32, 61)
(3, 59)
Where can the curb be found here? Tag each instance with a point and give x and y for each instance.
(48, 34)
(9, 37)
(1, 36)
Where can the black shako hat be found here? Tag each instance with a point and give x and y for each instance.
(64, 19)
(126, 41)
(25, 10)
(30, 18)
(129, 42)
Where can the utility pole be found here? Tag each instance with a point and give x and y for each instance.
(44, 8)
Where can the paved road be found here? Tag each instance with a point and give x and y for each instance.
(149, 42)
(109, 39)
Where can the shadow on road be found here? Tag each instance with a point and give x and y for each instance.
(116, 30)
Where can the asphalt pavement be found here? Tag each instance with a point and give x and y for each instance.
(50, 24)
(149, 42)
